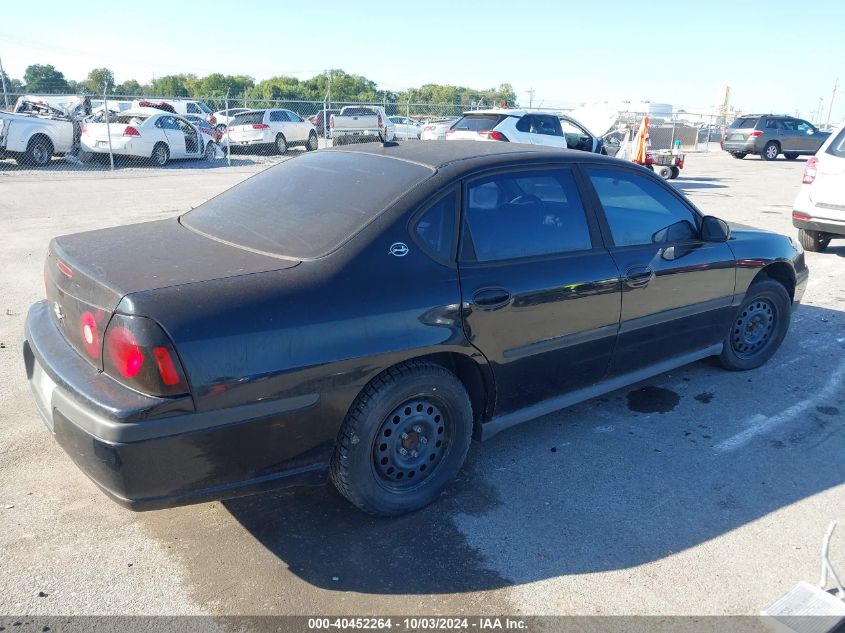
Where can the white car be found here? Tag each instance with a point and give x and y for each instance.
(146, 133)
(516, 126)
(435, 130)
(819, 209)
(223, 117)
(405, 127)
(273, 128)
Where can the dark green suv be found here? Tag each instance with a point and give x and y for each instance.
(769, 135)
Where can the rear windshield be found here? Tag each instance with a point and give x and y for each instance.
(837, 146)
(477, 122)
(307, 206)
(203, 107)
(124, 119)
(744, 123)
(356, 111)
(248, 118)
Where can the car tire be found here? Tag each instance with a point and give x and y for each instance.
(739, 155)
(312, 142)
(209, 153)
(791, 156)
(281, 144)
(39, 152)
(664, 171)
(221, 127)
(676, 171)
(814, 241)
(160, 155)
(770, 151)
(759, 326)
(417, 407)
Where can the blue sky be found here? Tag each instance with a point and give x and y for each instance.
(777, 55)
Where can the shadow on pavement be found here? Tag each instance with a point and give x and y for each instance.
(594, 488)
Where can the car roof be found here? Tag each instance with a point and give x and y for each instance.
(147, 112)
(504, 111)
(470, 154)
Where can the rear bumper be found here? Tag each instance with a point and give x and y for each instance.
(148, 453)
(821, 225)
(741, 146)
(826, 219)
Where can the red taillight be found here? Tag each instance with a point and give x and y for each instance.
(428, 128)
(810, 170)
(131, 131)
(166, 366)
(755, 134)
(492, 135)
(124, 351)
(85, 128)
(259, 126)
(139, 354)
(797, 215)
(89, 332)
(66, 270)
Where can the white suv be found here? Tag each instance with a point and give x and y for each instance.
(516, 126)
(819, 209)
(275, 128)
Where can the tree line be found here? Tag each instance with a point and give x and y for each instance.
(45, 78)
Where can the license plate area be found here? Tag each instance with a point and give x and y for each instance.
(44, 387)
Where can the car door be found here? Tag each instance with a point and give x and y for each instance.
(541, 292)
(175, 136)
(576, 136)
(542, 129)
(677, 290)
(299, 126)
(773, 130)
(789, 138)
(807, 139)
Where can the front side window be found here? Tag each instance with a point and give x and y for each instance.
(524, 214)
(436, 227)
(804, 127)
(640, 210)
(193, 109)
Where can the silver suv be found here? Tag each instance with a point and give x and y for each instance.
(769, 135)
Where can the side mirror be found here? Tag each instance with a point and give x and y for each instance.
(714, 230)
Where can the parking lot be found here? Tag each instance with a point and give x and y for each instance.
(697, 492)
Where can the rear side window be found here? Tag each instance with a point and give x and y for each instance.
(477, 122)
(436, 227)
(279, 115)
(524, 214)
(772, 124)
(248, 118)
(639, 210)
(837, 147)
(538, 124)
(358, 112)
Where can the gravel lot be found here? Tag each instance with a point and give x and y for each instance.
(715, 506)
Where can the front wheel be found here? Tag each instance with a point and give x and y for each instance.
(404, 439)
(739, 155)
(814, 241)
(39, 152)
(759, 326)
(664, 171)
(791, 156)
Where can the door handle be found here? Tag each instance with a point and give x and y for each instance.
(491, 298)
(639, 276)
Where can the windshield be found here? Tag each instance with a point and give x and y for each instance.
(307, 206)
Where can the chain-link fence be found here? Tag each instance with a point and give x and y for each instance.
(78, 132)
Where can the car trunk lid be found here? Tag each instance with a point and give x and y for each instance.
(87, 274)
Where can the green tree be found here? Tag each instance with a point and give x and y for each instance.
(169, 86)
(129, 87)
(216, 85)
(44, 78)
(12, 85)
(97, 79)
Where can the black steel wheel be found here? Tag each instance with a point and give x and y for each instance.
(759, 327)
(410, 443)
(404, 439)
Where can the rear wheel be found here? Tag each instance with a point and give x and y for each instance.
(281, 144)
(161, 154)
(758, 328)
(791, 156)
(209, 151)
(814, 241)
(770, 151)
(664, 171)
(676, 171)
(404, 439)
(39, 152)
(312, 142)
(739, 155)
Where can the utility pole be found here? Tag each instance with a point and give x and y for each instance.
(530, 98)
(819, 111)
(832, 97)
(3, 78)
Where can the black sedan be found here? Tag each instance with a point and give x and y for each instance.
(364, 327)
